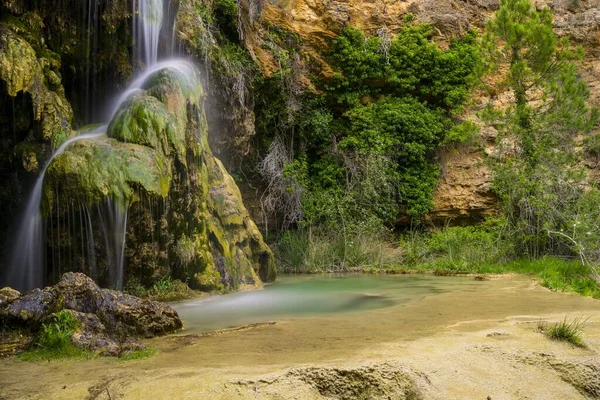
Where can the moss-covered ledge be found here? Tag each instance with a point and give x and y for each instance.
(186, 215)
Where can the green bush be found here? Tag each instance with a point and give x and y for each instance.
(169, 289)
(54, 340)
(367, 143)
(460, 249)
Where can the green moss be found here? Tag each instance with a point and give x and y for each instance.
(37, 73)
(146, 121)
(138, 354)
(158, 148)
(89, 171)
(209, 279)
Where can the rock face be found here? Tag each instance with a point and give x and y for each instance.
(464, 193)
(109, 321)
(8, 294)
(23, 71)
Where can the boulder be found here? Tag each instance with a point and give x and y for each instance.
(110, 322)
(30, 309)
(121, 314)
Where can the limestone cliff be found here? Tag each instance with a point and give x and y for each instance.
(464, 192)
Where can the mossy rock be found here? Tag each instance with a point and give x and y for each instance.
(90, 171)
(158, 149)
(36, 73)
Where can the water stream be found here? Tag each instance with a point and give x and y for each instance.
(150, 21)
(26, 269)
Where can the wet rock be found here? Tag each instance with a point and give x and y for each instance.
(30, 309)
(160, 155)
(93, 335)
(121, 314)
(8, 294)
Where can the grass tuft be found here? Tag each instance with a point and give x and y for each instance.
(165, 289)
(138, 354)
(566, 331)
(54, 341)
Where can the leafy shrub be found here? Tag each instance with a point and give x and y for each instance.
(54, 340)
(169, 289)
(365, 147)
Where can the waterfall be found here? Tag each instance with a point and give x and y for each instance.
(26, 268)
(113, 221)
(185, 69)
(149, 20)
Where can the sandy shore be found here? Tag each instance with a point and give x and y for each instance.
(467, 345)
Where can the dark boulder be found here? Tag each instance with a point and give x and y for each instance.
(30, 309)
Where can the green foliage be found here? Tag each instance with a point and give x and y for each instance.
(169, 289)
(566, 331)
(164, 284)
(412, 65)
(455, 249)
(304, 251)
(463, 133)
(138, 354)
(55, 342)
(165, 289)
(226, 17)
(591, 146)
(364, 149)
(482, 249)
(537, 176)
(398, 99)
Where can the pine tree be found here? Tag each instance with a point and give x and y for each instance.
(536, 176)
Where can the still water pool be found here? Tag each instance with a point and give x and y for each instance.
(316, 295)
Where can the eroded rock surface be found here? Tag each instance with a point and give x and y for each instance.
(388, 380)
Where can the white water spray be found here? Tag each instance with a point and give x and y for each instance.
(150, 20)
(27, 264)
(184, 69)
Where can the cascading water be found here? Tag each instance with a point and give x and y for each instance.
(184, 69)
(150, 20)
(26, 270)
(113, 220)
